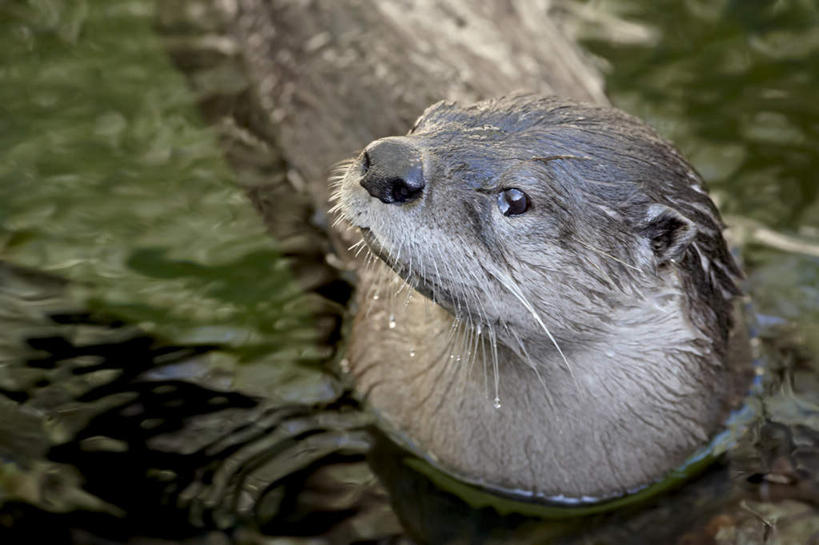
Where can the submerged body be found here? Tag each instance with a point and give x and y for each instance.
(550, 313)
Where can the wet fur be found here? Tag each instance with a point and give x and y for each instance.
(578, 351)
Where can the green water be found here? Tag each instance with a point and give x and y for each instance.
(110, 178)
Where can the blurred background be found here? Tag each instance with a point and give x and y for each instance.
(166, 364)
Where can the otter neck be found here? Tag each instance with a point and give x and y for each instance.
(642, 351)
(636, 404)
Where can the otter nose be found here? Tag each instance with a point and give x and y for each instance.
(393, 171)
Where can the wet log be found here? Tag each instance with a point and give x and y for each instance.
(335, 75)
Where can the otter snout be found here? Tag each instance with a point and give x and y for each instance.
(393, 171)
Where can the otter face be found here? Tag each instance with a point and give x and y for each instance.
(531, 213)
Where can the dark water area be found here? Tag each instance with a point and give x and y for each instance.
(164, 362)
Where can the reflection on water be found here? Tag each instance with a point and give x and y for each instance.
(159, 356)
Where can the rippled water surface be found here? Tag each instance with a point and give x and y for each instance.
(111, 179)
(121, 216)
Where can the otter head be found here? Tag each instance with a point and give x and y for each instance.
(585, 261)
(529, 214)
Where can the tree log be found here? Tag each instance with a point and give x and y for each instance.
(335, 75)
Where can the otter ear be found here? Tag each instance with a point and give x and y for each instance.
(668, 232)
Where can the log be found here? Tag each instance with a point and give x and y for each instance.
(335, 75)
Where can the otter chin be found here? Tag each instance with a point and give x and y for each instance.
(547, 308)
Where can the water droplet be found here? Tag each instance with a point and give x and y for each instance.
(452, 356)
(375, 297)
(412, 353)
(391, 323)
(609, 353)
(496, 403)
(345, 365)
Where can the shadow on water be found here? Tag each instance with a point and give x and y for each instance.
(162, 371)
(157, 455)
(164, 364)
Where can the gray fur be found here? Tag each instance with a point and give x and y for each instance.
(600, 321)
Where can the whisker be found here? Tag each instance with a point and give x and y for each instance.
(515, 291)
(358, 244)
(493, 343)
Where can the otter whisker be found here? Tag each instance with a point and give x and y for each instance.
(479, 332)
(493, 343)
(473, 345)
(394, 280)
(514, 290)
(340, 168)
(404, 286)
(465, 358)
(337, 221)
(358, 245)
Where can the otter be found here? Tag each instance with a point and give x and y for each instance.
(546, 302)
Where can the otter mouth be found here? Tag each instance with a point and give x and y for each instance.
(423, 285)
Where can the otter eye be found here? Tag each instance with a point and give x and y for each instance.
(513, 202)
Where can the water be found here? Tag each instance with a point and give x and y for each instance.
(181, 325)
(110, 178)
(180, 312)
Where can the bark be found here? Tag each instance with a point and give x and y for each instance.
(335, 75)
